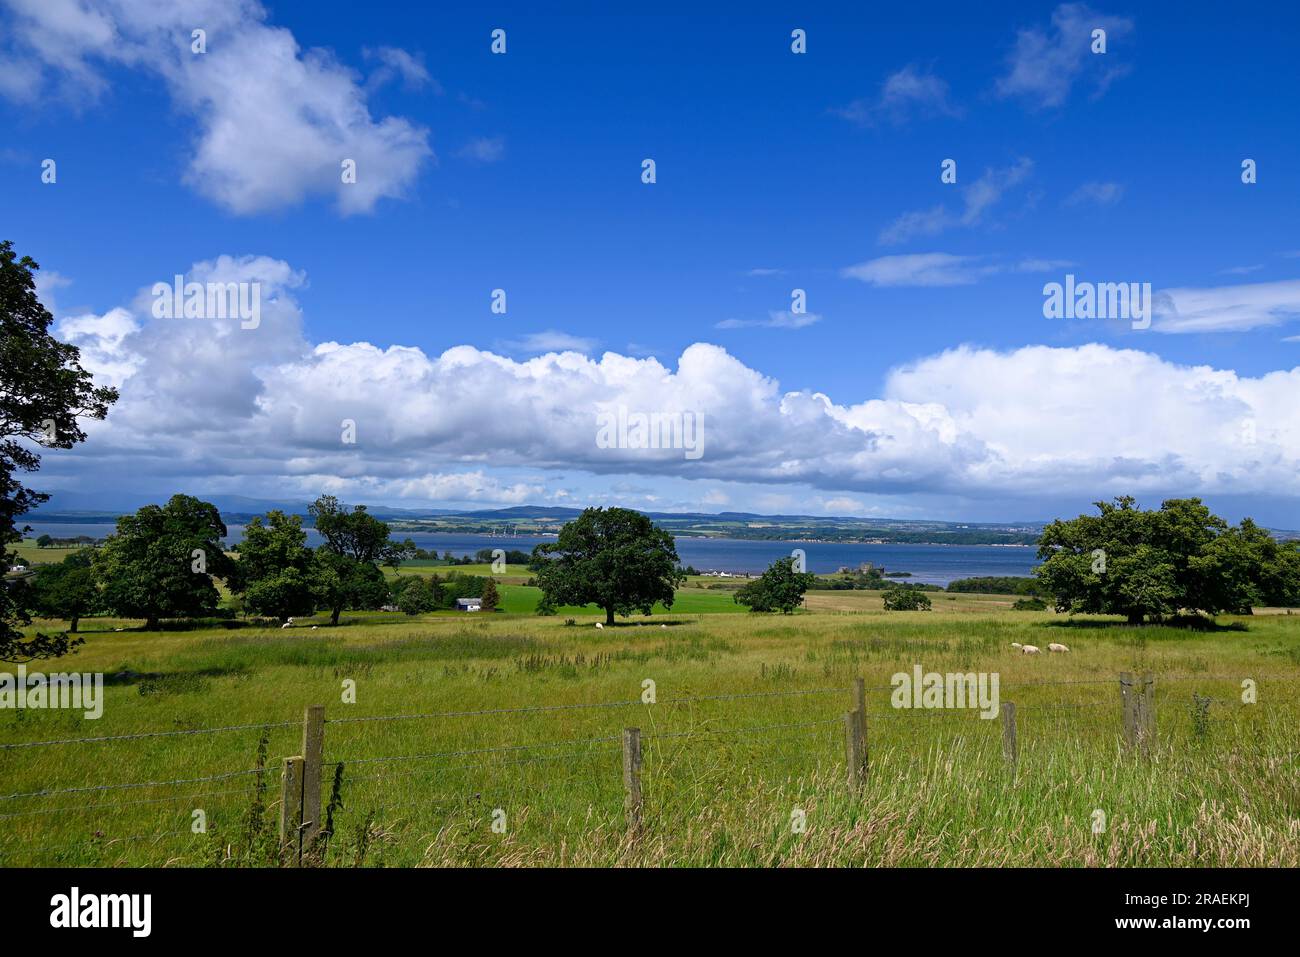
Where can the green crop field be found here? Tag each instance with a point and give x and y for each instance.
(463, 721)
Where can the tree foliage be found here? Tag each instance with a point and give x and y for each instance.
(779, 588)
(44, 393)
(341, 581)
(65, 589)
(1156, 564)
(615, 558)
(417, 595)
(903, 598)
(345, 574)
(274, 575)
(491, 597)
(162, 560)
(356, 533)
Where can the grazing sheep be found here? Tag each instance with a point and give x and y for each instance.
(285, 625)
(1016, 644)
(1029, 649)
(599, 625)
(1057, 646)
(663, 626)
(314, 627)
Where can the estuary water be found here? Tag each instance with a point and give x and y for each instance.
(928, 564)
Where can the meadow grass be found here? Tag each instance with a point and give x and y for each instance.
(722, 778)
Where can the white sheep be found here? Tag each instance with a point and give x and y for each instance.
(600, 625)
(314, 627)
(285, 625)
(1029, 649)
(663, 626)
(1016, 644)
(1057, 646)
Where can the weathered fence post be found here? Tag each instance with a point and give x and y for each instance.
(632, 776)
(860, 700)
(291, 810)
(855, 748)
(1010, 748)
(1147, 710)
(313, 748)
(1138, 698)
(1127, 698)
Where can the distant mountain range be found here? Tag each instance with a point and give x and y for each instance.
(79, 506)
(75, 507)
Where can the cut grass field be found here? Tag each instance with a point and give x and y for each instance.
(746, 731)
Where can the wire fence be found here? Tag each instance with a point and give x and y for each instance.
(790, 746)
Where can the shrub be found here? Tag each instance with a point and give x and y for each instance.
(1029, 604)
(906, 599)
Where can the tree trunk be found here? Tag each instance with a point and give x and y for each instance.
(151, 623)
(1135, 618)
(334, 616)
(72, 626)
(609, 617)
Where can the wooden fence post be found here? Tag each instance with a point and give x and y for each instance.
(1147, 704)
(860, 701)
(1010, 749)
(291, 810)
(632, 776)
(1128, 714)
(855, 748)
(313, 748)
(1138, 698)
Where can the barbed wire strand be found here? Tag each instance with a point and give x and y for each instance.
(148, 734)
(133, 784)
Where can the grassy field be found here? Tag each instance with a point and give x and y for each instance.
(459, 716)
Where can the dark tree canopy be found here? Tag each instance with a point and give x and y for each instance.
(345, 573)
(491, 597)
(416, 594)
(356, 533)
(274, 572)
(44, 392)
(162, 560)
(905, 598)
(1159, 563)
(65, 589)
(615, 558)
(340, 581)
(779, 588)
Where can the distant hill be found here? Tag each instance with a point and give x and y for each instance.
(73, 507)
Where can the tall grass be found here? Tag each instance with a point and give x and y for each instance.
(723, 779)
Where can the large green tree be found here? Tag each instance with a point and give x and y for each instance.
(345, 573)
(356, 533)
(44, 393)
(340, 581)
(162, 560)
(615, 558)
(65, 589)
(1155, 564)
(779, 588)
(275, 568)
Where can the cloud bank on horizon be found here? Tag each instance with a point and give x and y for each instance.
(206, 400)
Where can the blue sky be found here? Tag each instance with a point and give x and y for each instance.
(946, 391)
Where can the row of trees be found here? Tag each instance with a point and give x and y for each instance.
(165, 562)
(420, 594)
